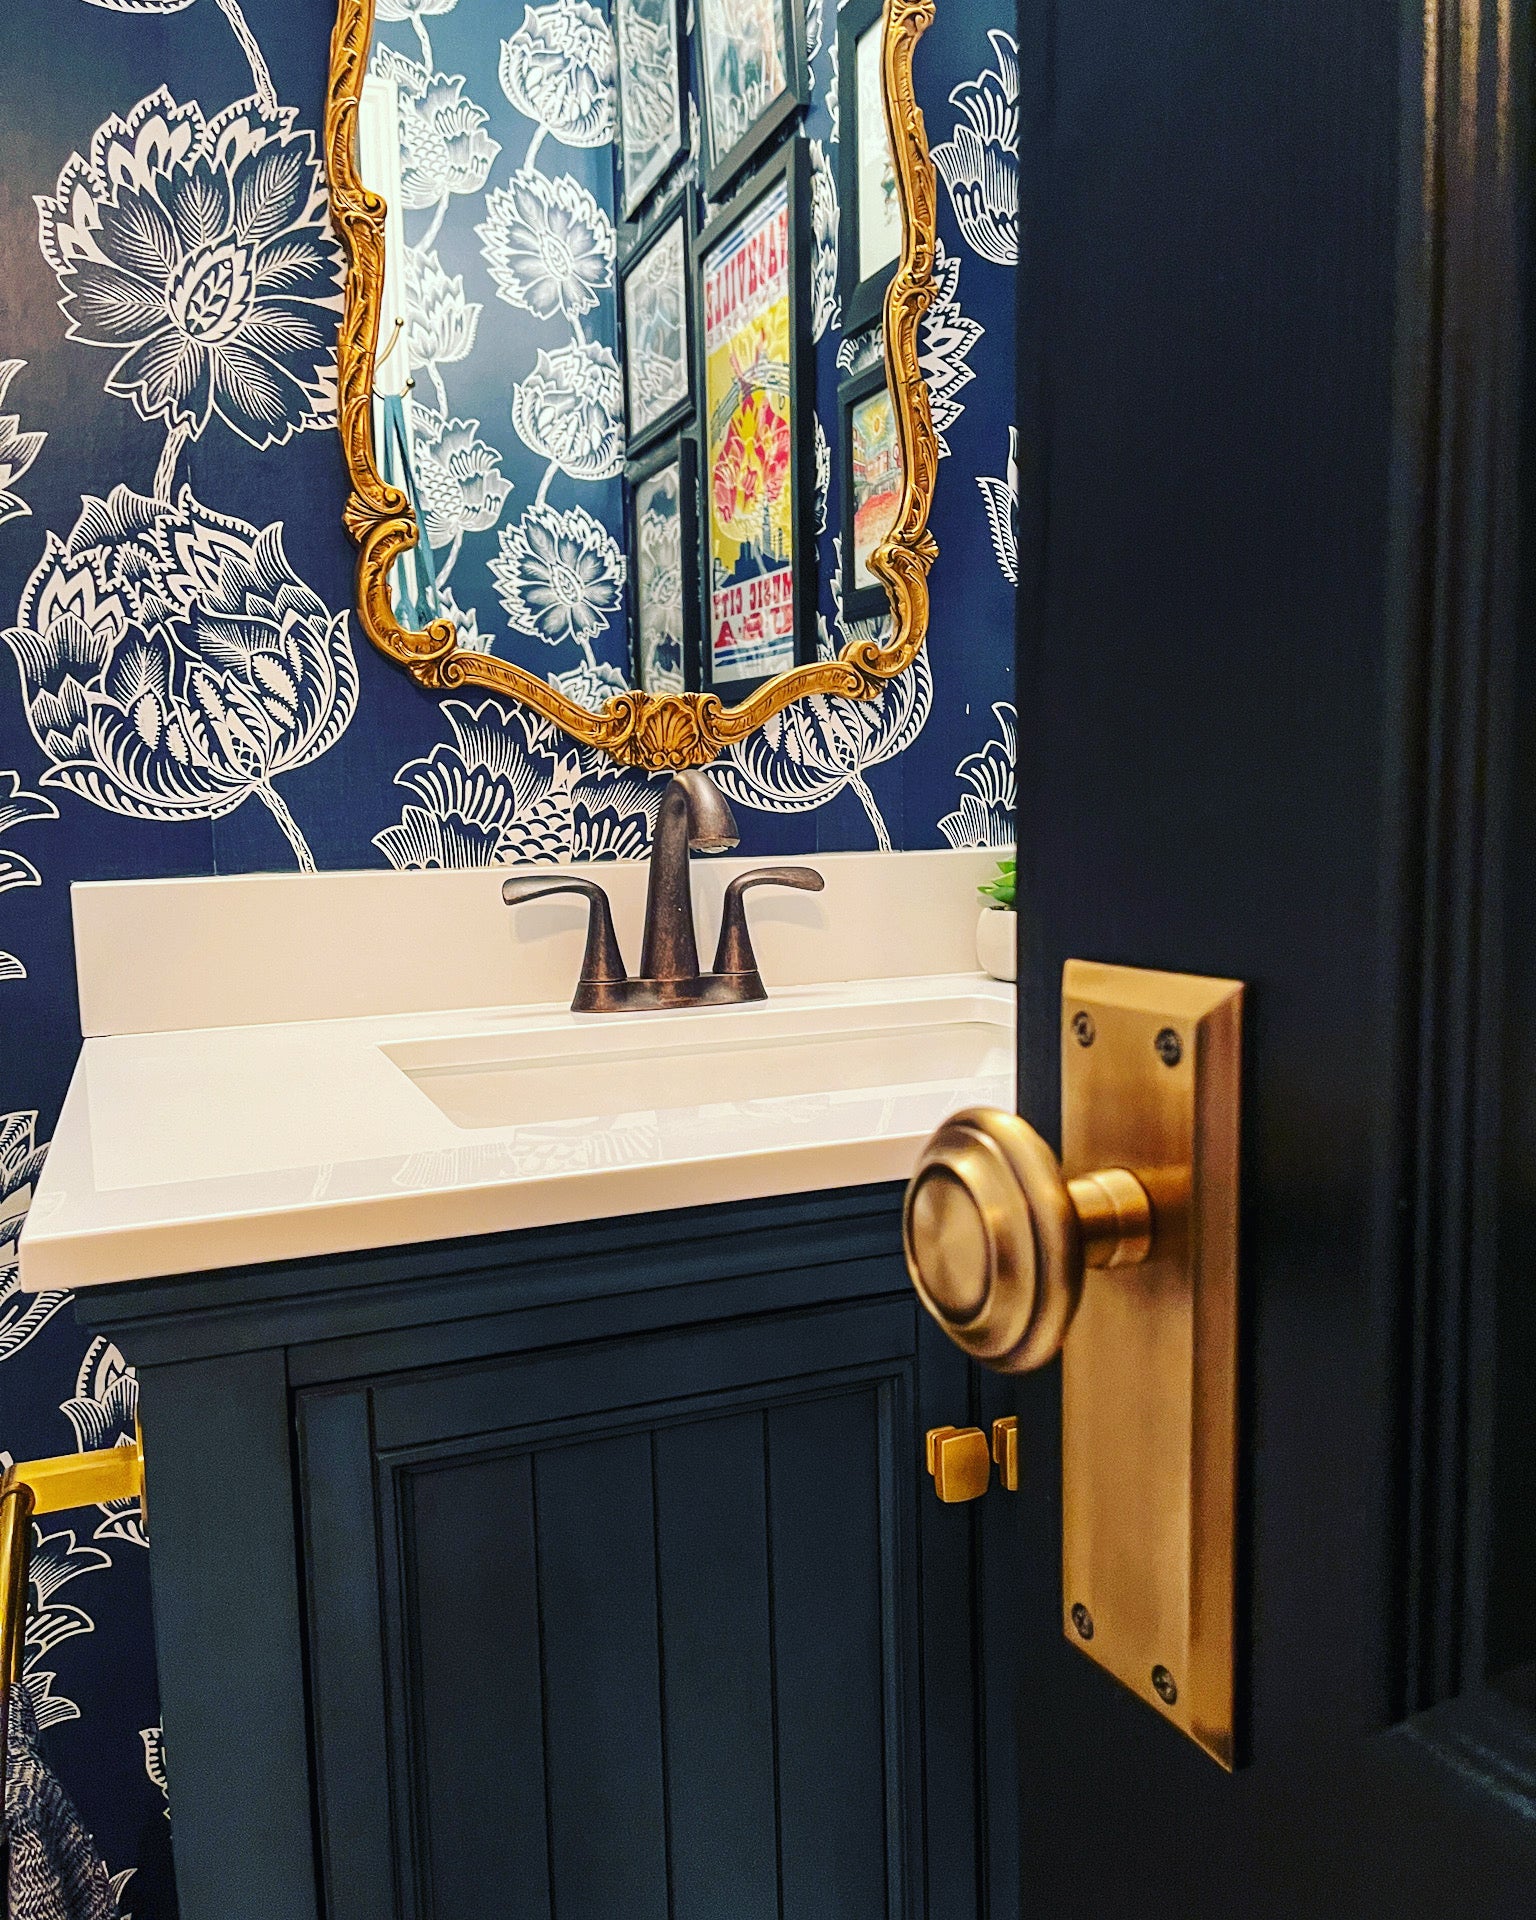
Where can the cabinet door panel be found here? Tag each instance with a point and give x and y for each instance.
(658, 1661)
(717, 1664)
(607, 1799)
(479, 1738)
(838, 1686)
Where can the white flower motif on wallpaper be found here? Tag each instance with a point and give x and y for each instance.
(826, 307)
(154, 1763)
(860, 351)
(458, 477)
(560, 69)
(815, 26)
(18, 808)
(444, 147)
(985, 816)
(413, 9)
(570, 410)
(17, 450)
(590, 684)
(466, 622)
(979, 163)
(823, 473)
(102, 1413)
(1001, 499)
(822, 746)
(173, 664)
(440, 323)
(513, 788)
(22, 1316)
(560, 575)
(946, 338)
(198, 250)
(57, 1559)
(548, 245)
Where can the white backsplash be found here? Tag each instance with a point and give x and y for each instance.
(252, 949)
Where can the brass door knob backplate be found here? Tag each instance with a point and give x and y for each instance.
(1122, 1257)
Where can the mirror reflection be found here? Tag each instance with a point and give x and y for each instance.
(629, 371)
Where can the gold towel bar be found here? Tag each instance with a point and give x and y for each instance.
(33, 1487)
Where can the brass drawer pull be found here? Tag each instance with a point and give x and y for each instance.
(959, 1462)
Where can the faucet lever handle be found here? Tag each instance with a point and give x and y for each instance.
(602, 963)
(734, 954)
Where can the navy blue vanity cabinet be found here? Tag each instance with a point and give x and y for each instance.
(590, 1572)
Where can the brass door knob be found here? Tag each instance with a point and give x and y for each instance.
(997, 1238)
(960, 1462)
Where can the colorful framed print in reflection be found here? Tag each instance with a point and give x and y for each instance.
(658, 326)
(653, 98)
(753, 77)
(758, 551)
(869, 243)
(663, 498)
(871, 466)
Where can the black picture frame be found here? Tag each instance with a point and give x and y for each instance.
(868, 600)
(863, 300)
(678, 211)
(718, 175)
(634, 192)
(790, 165)
(681, 450)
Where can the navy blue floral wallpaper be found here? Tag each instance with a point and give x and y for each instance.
(183, 689)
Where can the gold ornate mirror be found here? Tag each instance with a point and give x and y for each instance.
(689, 212)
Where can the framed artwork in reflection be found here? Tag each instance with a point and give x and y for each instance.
(653, 94)
(869, 241)
(756, 391)
(871, 496)
(663, 496)
(658, 326)
(753, 78)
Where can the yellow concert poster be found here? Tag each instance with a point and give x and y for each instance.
(749, 445)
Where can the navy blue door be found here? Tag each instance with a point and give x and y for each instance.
(1277, 685)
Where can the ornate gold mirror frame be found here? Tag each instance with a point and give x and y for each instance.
(656, 731)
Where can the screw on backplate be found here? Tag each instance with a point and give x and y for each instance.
(1170, 1048)
(1082, 1619)
(1163, 1686)
(1083, 1031)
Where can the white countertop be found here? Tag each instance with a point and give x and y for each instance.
(181, 1151)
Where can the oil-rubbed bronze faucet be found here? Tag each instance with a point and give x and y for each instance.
(694, 817)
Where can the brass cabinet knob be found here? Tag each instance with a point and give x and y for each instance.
(960, 1463)
(997, 1238)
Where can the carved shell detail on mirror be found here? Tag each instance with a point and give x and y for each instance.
(640, 728)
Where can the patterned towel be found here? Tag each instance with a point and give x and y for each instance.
(55, 1870)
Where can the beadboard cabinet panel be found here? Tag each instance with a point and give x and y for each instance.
(658, 1659)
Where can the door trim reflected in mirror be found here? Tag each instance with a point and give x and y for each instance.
(655, 731)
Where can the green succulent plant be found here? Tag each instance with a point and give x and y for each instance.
(1000, 890)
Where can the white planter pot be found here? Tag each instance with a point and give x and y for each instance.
(997, 942)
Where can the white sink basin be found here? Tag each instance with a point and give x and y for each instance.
(740, 1058)
(185, 1151)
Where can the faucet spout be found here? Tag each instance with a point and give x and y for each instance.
(694, 815)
